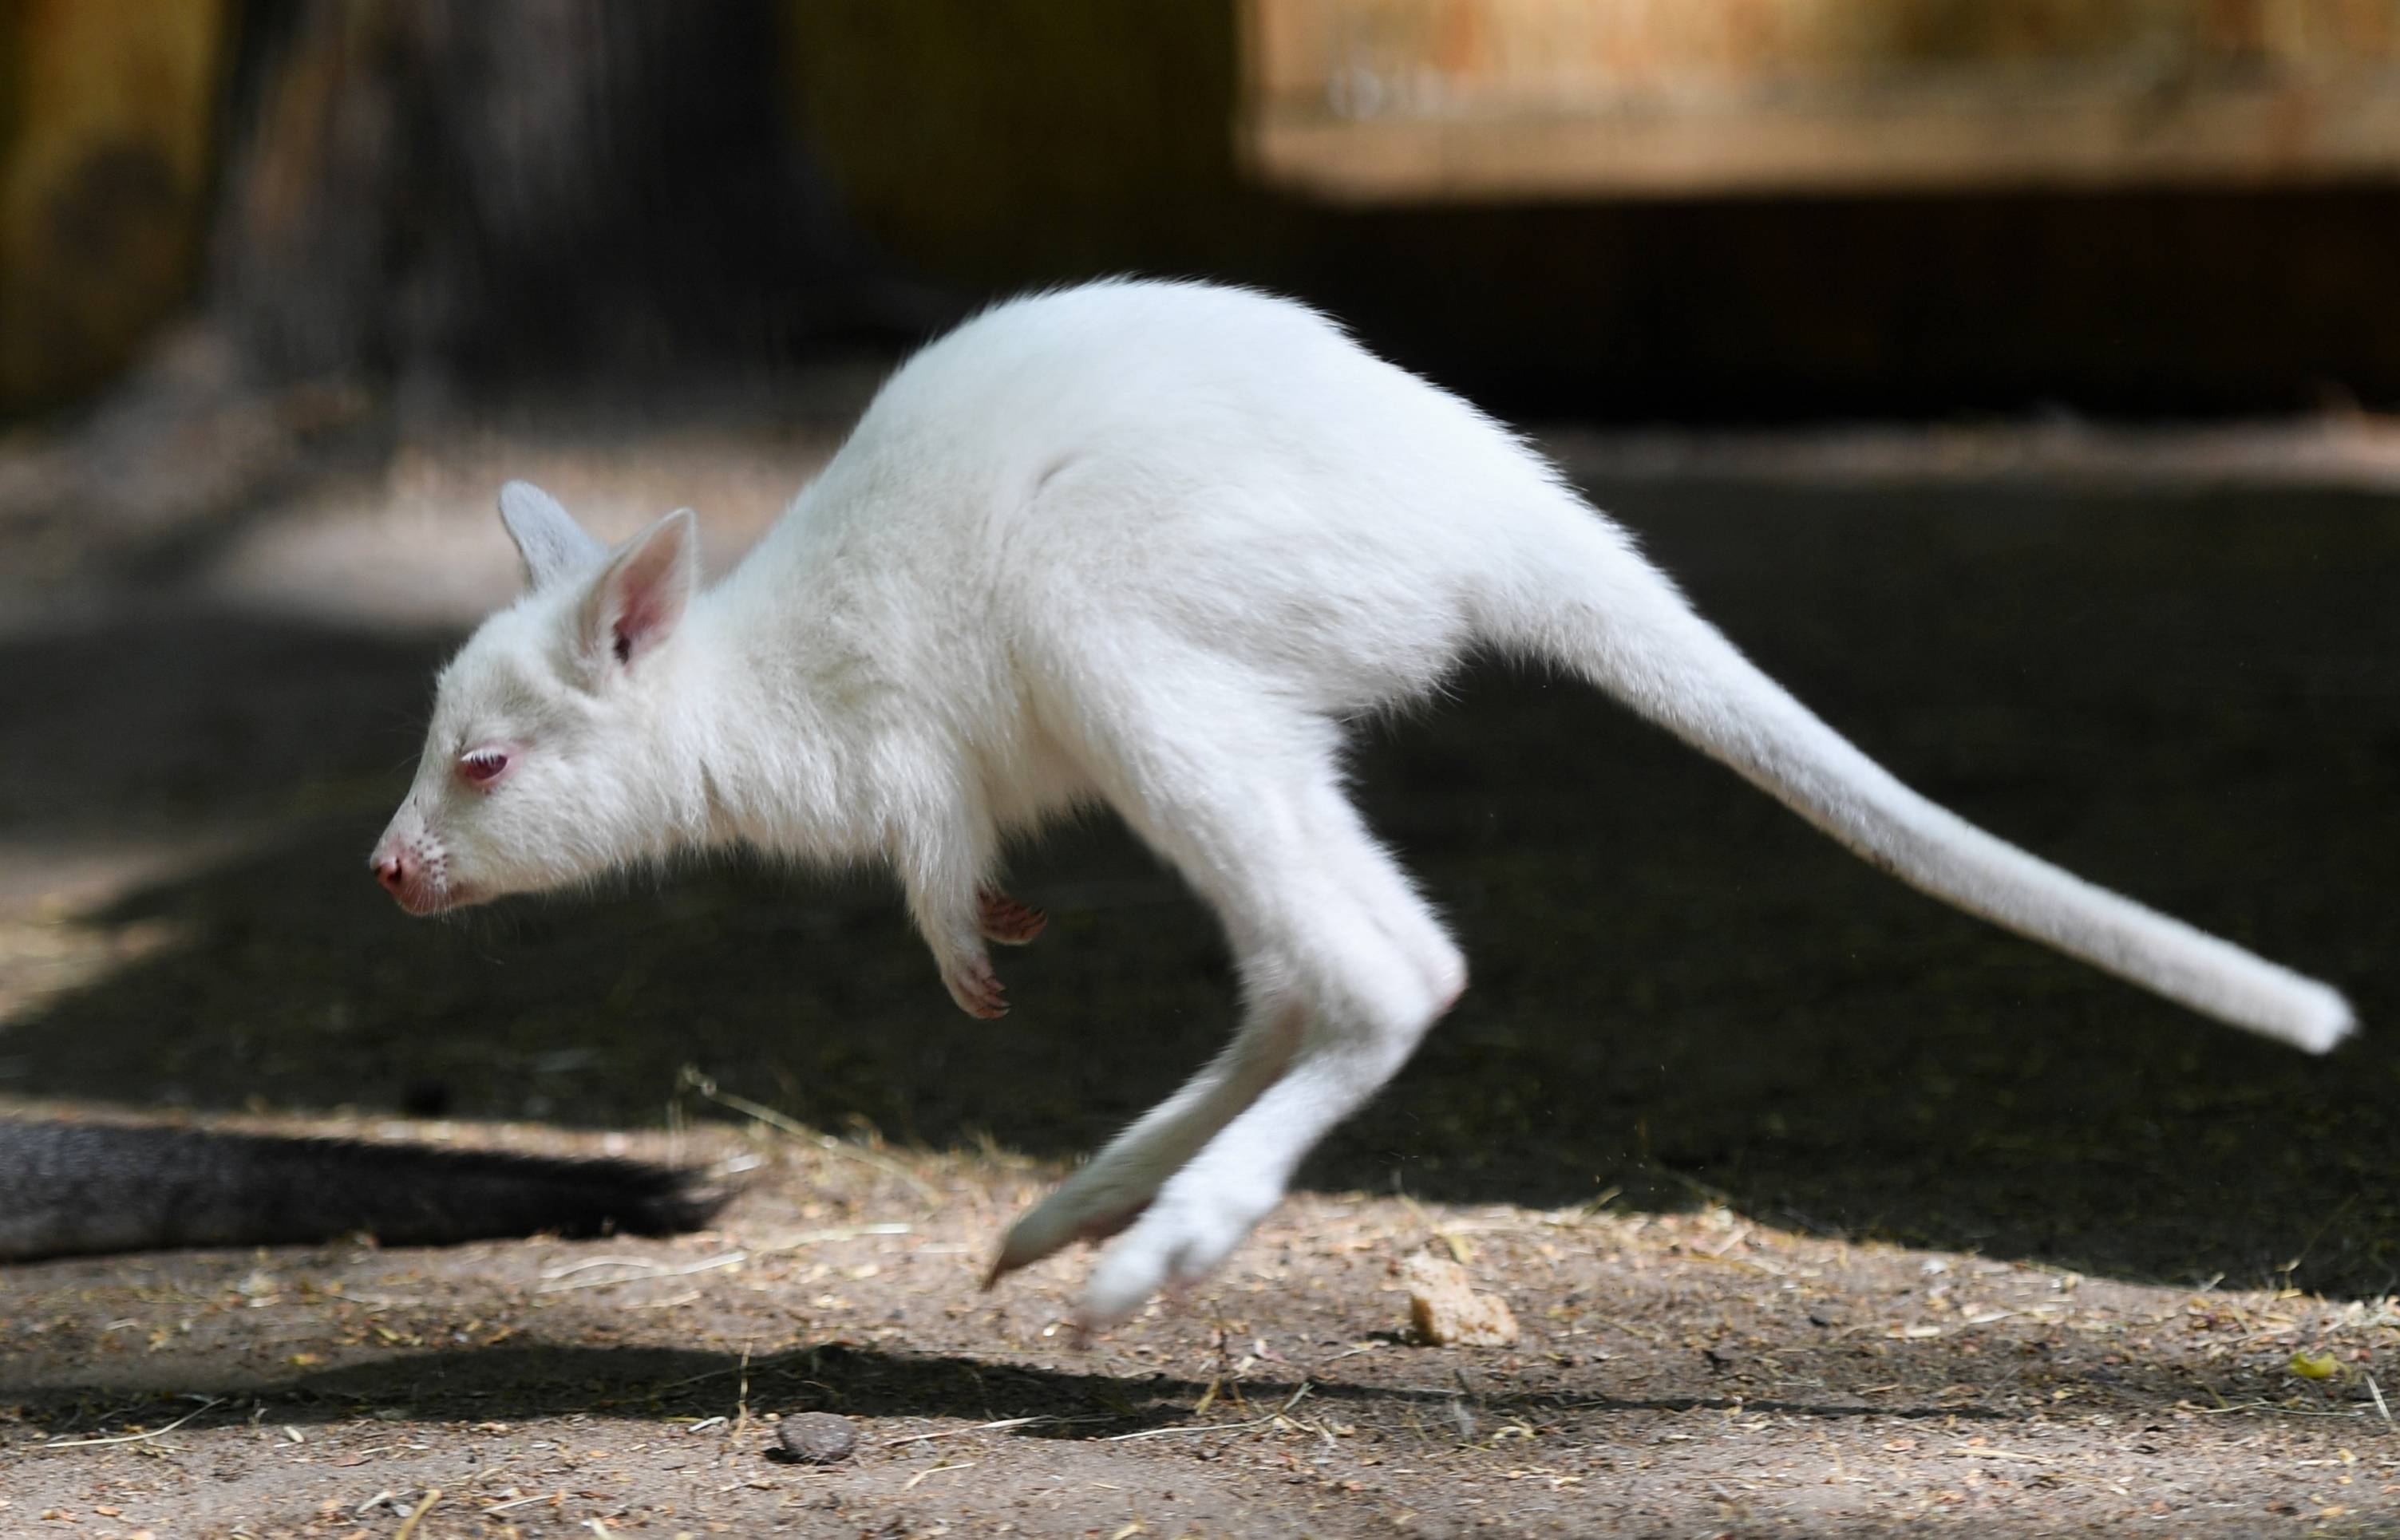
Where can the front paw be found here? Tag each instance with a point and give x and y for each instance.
(975, 987)
(1005, 921)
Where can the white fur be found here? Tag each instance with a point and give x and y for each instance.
(1151, 544)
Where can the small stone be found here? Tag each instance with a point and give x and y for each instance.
(1445, 1309)
(817, 1438)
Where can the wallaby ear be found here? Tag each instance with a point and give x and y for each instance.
(640, 597)
(550, 543)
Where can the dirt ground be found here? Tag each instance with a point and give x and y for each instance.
(1824, 1210)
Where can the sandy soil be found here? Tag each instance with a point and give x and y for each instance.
(1825, 1211)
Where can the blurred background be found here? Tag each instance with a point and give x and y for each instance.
(2010, 375)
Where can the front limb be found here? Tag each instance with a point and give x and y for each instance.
(957, 910)
(942, 853)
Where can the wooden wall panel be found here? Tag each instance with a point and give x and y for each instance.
(1384, 100)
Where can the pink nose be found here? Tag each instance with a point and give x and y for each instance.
(394, 871)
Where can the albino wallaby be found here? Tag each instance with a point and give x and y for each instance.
(76, 1189)
(1151, 545)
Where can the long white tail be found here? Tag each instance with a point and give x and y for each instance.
(1618, 622)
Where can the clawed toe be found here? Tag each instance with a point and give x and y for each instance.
(977, 990)
(1005, 921)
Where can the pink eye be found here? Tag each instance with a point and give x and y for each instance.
(483, 766)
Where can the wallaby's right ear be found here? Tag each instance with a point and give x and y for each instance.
(550, 543)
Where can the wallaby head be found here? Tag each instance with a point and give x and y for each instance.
(551, 757)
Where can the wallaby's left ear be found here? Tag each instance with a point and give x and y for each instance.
(640, 597)
(550, 543)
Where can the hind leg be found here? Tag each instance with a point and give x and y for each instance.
(1374, 879)
(1235, 838)
(1112, 1189)
(1369, 976)
(1342, 967)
